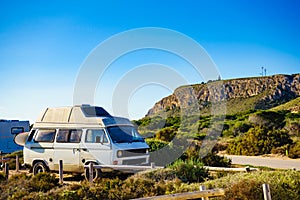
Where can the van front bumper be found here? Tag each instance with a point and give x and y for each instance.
(126, 168)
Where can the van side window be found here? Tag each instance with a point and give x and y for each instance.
(62, 136)
(95, 136)
(72, 136)
(75, 136)
(45, 135)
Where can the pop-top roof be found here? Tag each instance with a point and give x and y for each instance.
(82, 114)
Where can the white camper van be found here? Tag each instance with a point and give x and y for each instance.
(8, 130)
(80, 135)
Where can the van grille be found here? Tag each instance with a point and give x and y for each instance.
(134, 161)
(134, 152)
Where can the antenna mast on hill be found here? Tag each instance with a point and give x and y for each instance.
(263, 71)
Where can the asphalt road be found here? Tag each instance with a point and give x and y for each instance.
(279, 163)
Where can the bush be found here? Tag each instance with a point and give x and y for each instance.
(214, 160)
(173, 121)
(294, 151)
(16, 187)
(258, 141)
(158, 175)
(282, 150)
(43, 182)
(166, 134)
(293, 128)
(189, 170)
(155, 144)
(269, 119)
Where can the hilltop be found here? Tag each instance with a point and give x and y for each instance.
(239, 94)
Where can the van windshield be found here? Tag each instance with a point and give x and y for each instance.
(124, 134)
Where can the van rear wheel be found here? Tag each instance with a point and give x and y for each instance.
(39, 167)
(97, 173)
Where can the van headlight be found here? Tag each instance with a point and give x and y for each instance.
(119, 153)
(147, 151)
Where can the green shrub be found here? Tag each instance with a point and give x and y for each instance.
(155, 144)
(17, 187)
(241, 127)
(173, 121)
(293, 128)
(268, 119)
(294, 151)
(158, 174)
(166, 134)
(258, 141)
(142, 122)
(244, 190)
(136, 188)
(214, 160)
(43, 182)
(189, 170)
(199, 136)
(280, 150)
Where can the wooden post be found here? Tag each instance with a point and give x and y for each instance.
(152, 165)
(61, 172)
(202, 188)
(91, 174)
(266, 191)
(247, 169)
(17, 163)
(6, 169)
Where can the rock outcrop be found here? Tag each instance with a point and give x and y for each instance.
(268, 91)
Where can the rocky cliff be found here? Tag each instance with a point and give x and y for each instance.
(256, 93)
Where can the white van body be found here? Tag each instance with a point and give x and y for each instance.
(80, 135)
(8, 130)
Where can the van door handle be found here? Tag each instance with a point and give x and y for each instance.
(76, 150)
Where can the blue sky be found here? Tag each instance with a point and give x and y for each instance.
(43, 45)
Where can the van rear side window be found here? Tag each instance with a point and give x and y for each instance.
(45, 135)
(72, 136)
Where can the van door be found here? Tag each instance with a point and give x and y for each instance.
(67, 149)
(42, 146)
(97, 147)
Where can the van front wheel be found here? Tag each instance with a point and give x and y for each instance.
(96, 174)
(39, 167)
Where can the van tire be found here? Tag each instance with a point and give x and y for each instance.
(97, 173)
(39, 167)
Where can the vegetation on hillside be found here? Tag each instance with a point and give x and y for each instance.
(293, 105)
(252, 132)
